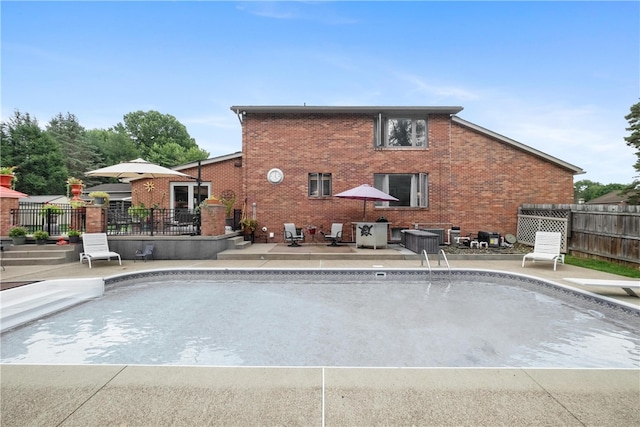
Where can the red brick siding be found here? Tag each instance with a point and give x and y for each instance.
(223, 175)
(474, 181)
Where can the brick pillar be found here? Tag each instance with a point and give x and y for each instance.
(212, 219)
(96, 219)
(6, 204)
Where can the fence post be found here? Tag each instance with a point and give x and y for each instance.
(7, 204)
(96, 221)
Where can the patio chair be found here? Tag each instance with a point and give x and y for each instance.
(546, 248)
(96, 246)
(336, 234)
(291, 234)
(145, 253)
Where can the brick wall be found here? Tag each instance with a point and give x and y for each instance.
(475, 182)
(223, 175)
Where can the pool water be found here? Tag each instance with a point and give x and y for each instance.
(327, 323)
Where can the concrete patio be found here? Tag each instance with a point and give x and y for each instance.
(35, 395)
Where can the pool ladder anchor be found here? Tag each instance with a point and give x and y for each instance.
(441, 255)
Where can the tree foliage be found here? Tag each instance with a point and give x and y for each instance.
(160, 138)
(78, 154)
(45, 158)
(38, 156)
(633, 140)
(589, 190)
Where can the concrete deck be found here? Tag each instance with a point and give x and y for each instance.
(315, 396)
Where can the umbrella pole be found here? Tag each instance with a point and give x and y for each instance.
(364, 211)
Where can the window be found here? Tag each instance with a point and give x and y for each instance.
(319, 184)
(185, 194)
(411, 190)
(400, 132)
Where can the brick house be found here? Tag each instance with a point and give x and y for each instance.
(446, 171)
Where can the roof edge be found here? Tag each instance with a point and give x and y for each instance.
(209, 161)
(314, 109)
(576, 170)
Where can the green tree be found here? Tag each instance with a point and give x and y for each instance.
(589, 190)
(112, 146)
(151, 131)
(633, 140)
(41, 168)
(79, 155)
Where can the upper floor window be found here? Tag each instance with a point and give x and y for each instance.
(411, 190)
(400, 132)
(319, 184)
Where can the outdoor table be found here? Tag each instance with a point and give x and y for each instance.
(372, 234)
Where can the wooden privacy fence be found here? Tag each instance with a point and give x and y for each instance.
(606, 231)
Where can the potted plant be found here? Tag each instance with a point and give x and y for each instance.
(248, 227)
(18, 235)
(74, 186)
(74, 235)
(41, 237)
(99, 197)
(228, 199)
(7, 176)
(77, 204)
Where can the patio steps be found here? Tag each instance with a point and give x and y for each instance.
(31, 254)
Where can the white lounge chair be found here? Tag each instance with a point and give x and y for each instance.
(292, 235)
(336, 234)
(546, 248)
(96, 246)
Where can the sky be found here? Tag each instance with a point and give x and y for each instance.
(557, 76)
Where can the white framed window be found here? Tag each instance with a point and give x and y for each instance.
(319, 184)
(411, 189)
(185, 194)
(400, 132)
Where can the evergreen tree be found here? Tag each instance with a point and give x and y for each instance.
(41, 168)
(633, 140)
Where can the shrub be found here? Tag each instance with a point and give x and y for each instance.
(17, 232)
(40, 235)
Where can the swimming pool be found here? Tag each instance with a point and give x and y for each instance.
(369, 318)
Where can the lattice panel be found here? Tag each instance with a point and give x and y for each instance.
(546, 213)
(528, 225)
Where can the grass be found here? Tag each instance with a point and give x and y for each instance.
(608, 267)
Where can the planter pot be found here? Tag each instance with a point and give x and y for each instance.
(5, 180)
(74, 239)
(99, 200)
(40, 241)
(76, 190)
(19, 240)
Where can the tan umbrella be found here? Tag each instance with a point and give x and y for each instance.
(135, 169)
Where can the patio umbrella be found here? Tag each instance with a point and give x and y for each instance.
(366, 192)
(134, 169)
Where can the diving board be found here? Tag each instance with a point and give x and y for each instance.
(629, 286)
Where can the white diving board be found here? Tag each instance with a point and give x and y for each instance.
(629, 286)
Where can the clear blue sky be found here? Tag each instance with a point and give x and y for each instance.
(557, 76)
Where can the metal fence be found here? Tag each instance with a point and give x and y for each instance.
(154, 221)
(133, 221)
(36, 217)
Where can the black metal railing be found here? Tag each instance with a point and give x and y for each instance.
(129, 222)
(54, 221)
(154, 221)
